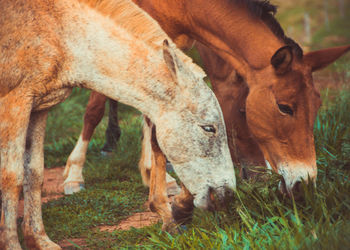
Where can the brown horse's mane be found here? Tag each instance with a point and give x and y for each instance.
(133, 19)
(266, 11)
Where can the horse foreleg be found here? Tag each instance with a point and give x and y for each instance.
(73, 172)
(147, 157)
(158, 198)
(145, 162)
(33, 228)
(182, 206)
(153, 169)
(14, 112)
(113, 131)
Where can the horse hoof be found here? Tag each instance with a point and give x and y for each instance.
(106, 153)
(73, 187)
(11, 243)
(182, 213)
(41, 242)
(171, 228)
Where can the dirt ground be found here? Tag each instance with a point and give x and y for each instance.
(137, 220)
(53, 189)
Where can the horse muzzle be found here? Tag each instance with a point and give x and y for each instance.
(293, 175)
(215, 198)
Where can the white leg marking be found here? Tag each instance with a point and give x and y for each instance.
(74, 167)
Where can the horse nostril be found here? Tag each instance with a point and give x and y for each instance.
(213, 199)
(211, 194)
(219, 197)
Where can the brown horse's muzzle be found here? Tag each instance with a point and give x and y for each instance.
(293, 175)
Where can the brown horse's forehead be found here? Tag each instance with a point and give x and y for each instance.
(295, 85)
(288, 86)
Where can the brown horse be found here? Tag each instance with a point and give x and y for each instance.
(48, 47)
(269, 105)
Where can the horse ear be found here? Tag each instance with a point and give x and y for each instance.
(169, 58)
(282, 60)
(321, 58)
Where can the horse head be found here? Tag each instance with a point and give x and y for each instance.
(281, 111)
(192, 135)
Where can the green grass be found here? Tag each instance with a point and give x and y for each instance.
(258, 216)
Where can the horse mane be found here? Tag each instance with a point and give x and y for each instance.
(266, 11)
(132, 18)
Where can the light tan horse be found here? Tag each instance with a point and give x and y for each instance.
(48, 47)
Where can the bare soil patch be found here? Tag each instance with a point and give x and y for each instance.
(53, 189)
(67, 244)
(137, 220)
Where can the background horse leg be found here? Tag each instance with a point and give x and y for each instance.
(145, 162)
(147, 158)
(158, 198)
(14, 112)
(113, 131)
(73, 173)
(33, 228)
(182, 207)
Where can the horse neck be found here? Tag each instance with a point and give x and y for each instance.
(243, 40)
(107, 59)
(169, 14)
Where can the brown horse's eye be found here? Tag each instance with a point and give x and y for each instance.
(285, 109)
(208, 128)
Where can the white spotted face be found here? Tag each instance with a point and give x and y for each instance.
(193, 137)
(189, 122)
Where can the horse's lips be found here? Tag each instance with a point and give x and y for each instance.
(293, 174)
(211, 200)
(201, 200)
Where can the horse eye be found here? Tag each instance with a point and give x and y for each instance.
(285, 109)
(208, 128)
